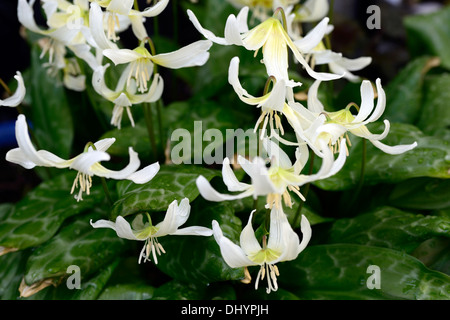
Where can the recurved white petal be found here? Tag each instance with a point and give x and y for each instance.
(398, 149)
(19, 94)
(193, 231)
(132, 166)
(247, 240)
(206, 33)
(153, 10)
(233, 255)
(314, 104)
(229, 178)
(313, 38)
(145, 175)
(367, 96)
(210, 194)
(175, 217)
(121, 226)
(120, 56)
(194, 54)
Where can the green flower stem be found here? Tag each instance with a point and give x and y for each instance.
(361, 174)
(150, 128)
(106, 190)
(159, 106)
(305, 191)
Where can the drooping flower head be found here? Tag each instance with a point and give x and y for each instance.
(275, 181)
(87, 164)
(280, 244)
(139, 230)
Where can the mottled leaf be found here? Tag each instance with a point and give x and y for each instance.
(37, 217)
(172, 182)
(77, 244)
(341, 271)
(390, 228)
(197, 258)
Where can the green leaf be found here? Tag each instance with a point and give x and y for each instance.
(390, 228)
(131, 291)
(428, 34)
(37, 217)
(431, 158)
(422, 194)
(90, 289)
(435, 114)
(196, 258)
(77, 244)
(48, 97)
(340, 271)
(178, 290)
(435, 254)
(173, 182)
(12, 267)
(404, 93)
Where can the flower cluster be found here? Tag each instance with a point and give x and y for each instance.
(90, 31)
(324, 133)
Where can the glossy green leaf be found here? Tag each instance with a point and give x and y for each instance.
(435, 254)
(77, 244)
(132, 291)
(421, 193)
(435, 114)
(431, 158)
(428, 34)
(48, 97)
(90, 289)
(12, 268)
(341, 271)
(173, 182)
(405, 92)
(197, 258)
(178, 290)
(390, 228)
(37, 217)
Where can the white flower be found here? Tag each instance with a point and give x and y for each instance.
(283, 245)
(174, 218)
(141, 61)
(328, 127)
(18, 96)
(270, 103)
(274, 182)
(124, 96)
(271, 37)
(87, 163)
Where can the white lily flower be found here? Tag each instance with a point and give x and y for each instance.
(271, 37)
(87, 163)
(283, 245)
(274, 182)
(141, 61)
(67, 26)
(176, 216)
(270, 103)
(315, 125)
(124, 96)
(19, 94)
